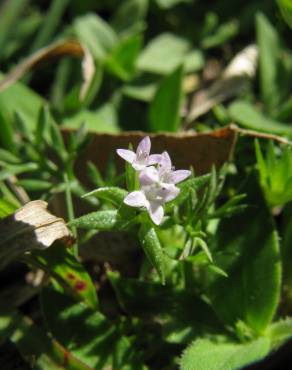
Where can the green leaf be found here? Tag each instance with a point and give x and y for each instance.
(280, 332)
(6, 137)
(186, 187)
(34, 343)
(248, 116)
(96, 34)
(61, 264)
(88, 334)
(6, 208)
(269, 58)
(164, 111)
(204, 354)
(35, 185)
(224, 33)
(9, 19)
(16, 169)
(179, 319)
(102, 221)
(112, 194)
(20, 98)
(103, 119)
(167, 4)
(163, 54)
(129, 16)
(286, 10)
(153, 249)
(121, 62)
(250, 256)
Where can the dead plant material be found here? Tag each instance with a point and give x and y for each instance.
(55, 50)
(30, 227)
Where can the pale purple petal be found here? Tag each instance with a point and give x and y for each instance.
(172, 194)
(144, 146)
(180, 175)
(168, 192)
(127, 155)
(165, 162)
(156, 212)
(154, 159)
(138, 166)
(136, 199)
(149, 176)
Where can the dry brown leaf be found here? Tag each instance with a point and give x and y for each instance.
(233, 79)
(30, 227)
(55, 50)
(200, 151)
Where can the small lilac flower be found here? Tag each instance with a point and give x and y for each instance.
(152, 197)
(142, 158)
(167, 173)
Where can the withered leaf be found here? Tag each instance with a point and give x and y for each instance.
(55, 50)
(30, 227)
(233, 80)
(186, 149)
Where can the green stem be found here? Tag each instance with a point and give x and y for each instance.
(70, 210)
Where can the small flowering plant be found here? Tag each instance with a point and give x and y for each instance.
(157, 179)
(160, 202)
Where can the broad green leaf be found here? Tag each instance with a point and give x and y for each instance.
(19, 98)
(144, 93)
(112, 194)
(96, 34)
(103, 119)
(69, 273)
(179, 319)
(269, 58)
(34, 343)
(163, 54)
(102, 221)
(121, 62)
(88, 334)
(280, 331)
(153, 249)
(250, 256)
(204, 354)
(248, 116)
(164, 111)
(286, 10)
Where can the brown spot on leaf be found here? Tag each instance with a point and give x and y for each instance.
(80, 285)
(71, 276)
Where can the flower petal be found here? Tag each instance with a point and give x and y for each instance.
(180, 175)
(168, 192)
(154, 159)
(172, 194)
(136, 199)
(144, 146)
(156, 212)
(138, 166)
(149, 176)
(127, 155)
(165, 162)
